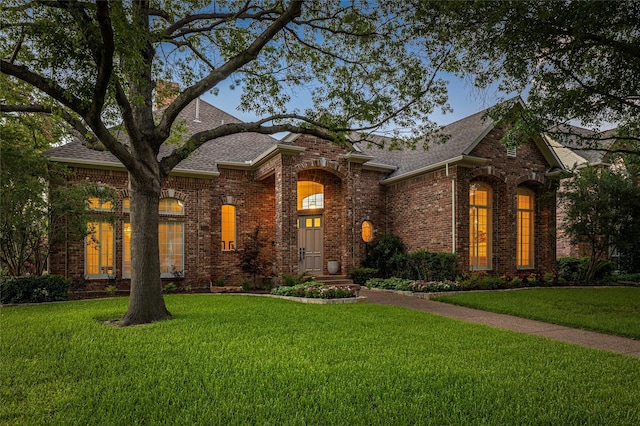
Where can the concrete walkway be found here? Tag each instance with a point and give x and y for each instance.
(590, 339)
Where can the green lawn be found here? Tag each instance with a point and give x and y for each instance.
(252, 360)
(608, 310)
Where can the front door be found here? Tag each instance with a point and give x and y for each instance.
(310, 244)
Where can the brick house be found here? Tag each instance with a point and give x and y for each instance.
(314, 200)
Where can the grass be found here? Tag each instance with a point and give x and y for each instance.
(251, 360)
(608, 310)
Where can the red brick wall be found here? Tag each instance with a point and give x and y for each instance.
(419, 210)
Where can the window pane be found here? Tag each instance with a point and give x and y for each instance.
(525, 238)
(228, 227)
(171, 243)
(479, 226)
(367, 231)
(310, 195)
(99, 249)
(126, 204)
(94, 203)
(170, 206)
(126, 249)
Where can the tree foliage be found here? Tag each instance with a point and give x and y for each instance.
(40, 208)
(603, 212)
(577, 62)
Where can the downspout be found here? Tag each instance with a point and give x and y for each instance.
(453, 208)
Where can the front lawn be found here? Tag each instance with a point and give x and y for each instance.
(608, 310)
(252, 360)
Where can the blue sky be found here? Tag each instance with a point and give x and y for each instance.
(464, 99)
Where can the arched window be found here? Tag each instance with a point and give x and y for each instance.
(480, 196)
(310, 195)
(367, 231)
(228, 227)
(524, 252)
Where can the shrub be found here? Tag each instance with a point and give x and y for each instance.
(34, 289)
(315, 290)
(111, 290)
(427, 266)
(402, 284)
(573, 269)
(246, 284)
(383, 254)
(292, 280)
(170, 288)
(361, 275)
(628, 277)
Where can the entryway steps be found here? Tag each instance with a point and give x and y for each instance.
(334, 279)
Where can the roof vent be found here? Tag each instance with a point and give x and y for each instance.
(197, 119)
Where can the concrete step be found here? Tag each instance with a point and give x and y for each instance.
(334, 279)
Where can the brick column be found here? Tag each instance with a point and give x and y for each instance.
(286, 191)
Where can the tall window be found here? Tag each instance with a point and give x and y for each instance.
(171, 242)
(228, 227)
(126, 249)
(480, 196)
(99, 250)
(367, 231)
(170, 239)
(310, 195)
(524, 253)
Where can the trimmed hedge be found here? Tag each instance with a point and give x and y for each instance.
(34, 289)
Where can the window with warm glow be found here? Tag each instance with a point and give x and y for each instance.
(310, 195)
(367, 231)
(171, 243)
(94, 203)
(228, 227)
(126, 249)
(480, 226)
(126, 204)
(171, 206)
(524, 253)
(99, 250)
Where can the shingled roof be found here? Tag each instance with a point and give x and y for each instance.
(198, 116)
(461, 137)
(245, 148)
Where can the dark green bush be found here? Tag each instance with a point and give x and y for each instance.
(573, 269)
(426, 266)
(361, 275)
(627, 277)
(382, 254)
(34, 289)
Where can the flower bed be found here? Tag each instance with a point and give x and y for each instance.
(315, 290)
(412, 285)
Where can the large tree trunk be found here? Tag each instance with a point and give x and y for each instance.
(146, 303)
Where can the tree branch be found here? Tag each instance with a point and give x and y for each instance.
(236, 62)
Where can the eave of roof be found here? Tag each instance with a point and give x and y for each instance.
(283, 149)
(461, 160)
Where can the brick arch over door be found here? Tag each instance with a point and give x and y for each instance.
(330, 166)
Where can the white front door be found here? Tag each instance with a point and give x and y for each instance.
(310, 244)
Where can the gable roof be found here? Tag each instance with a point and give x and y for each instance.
(573, 152)
(462, 136)
(198, 116)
